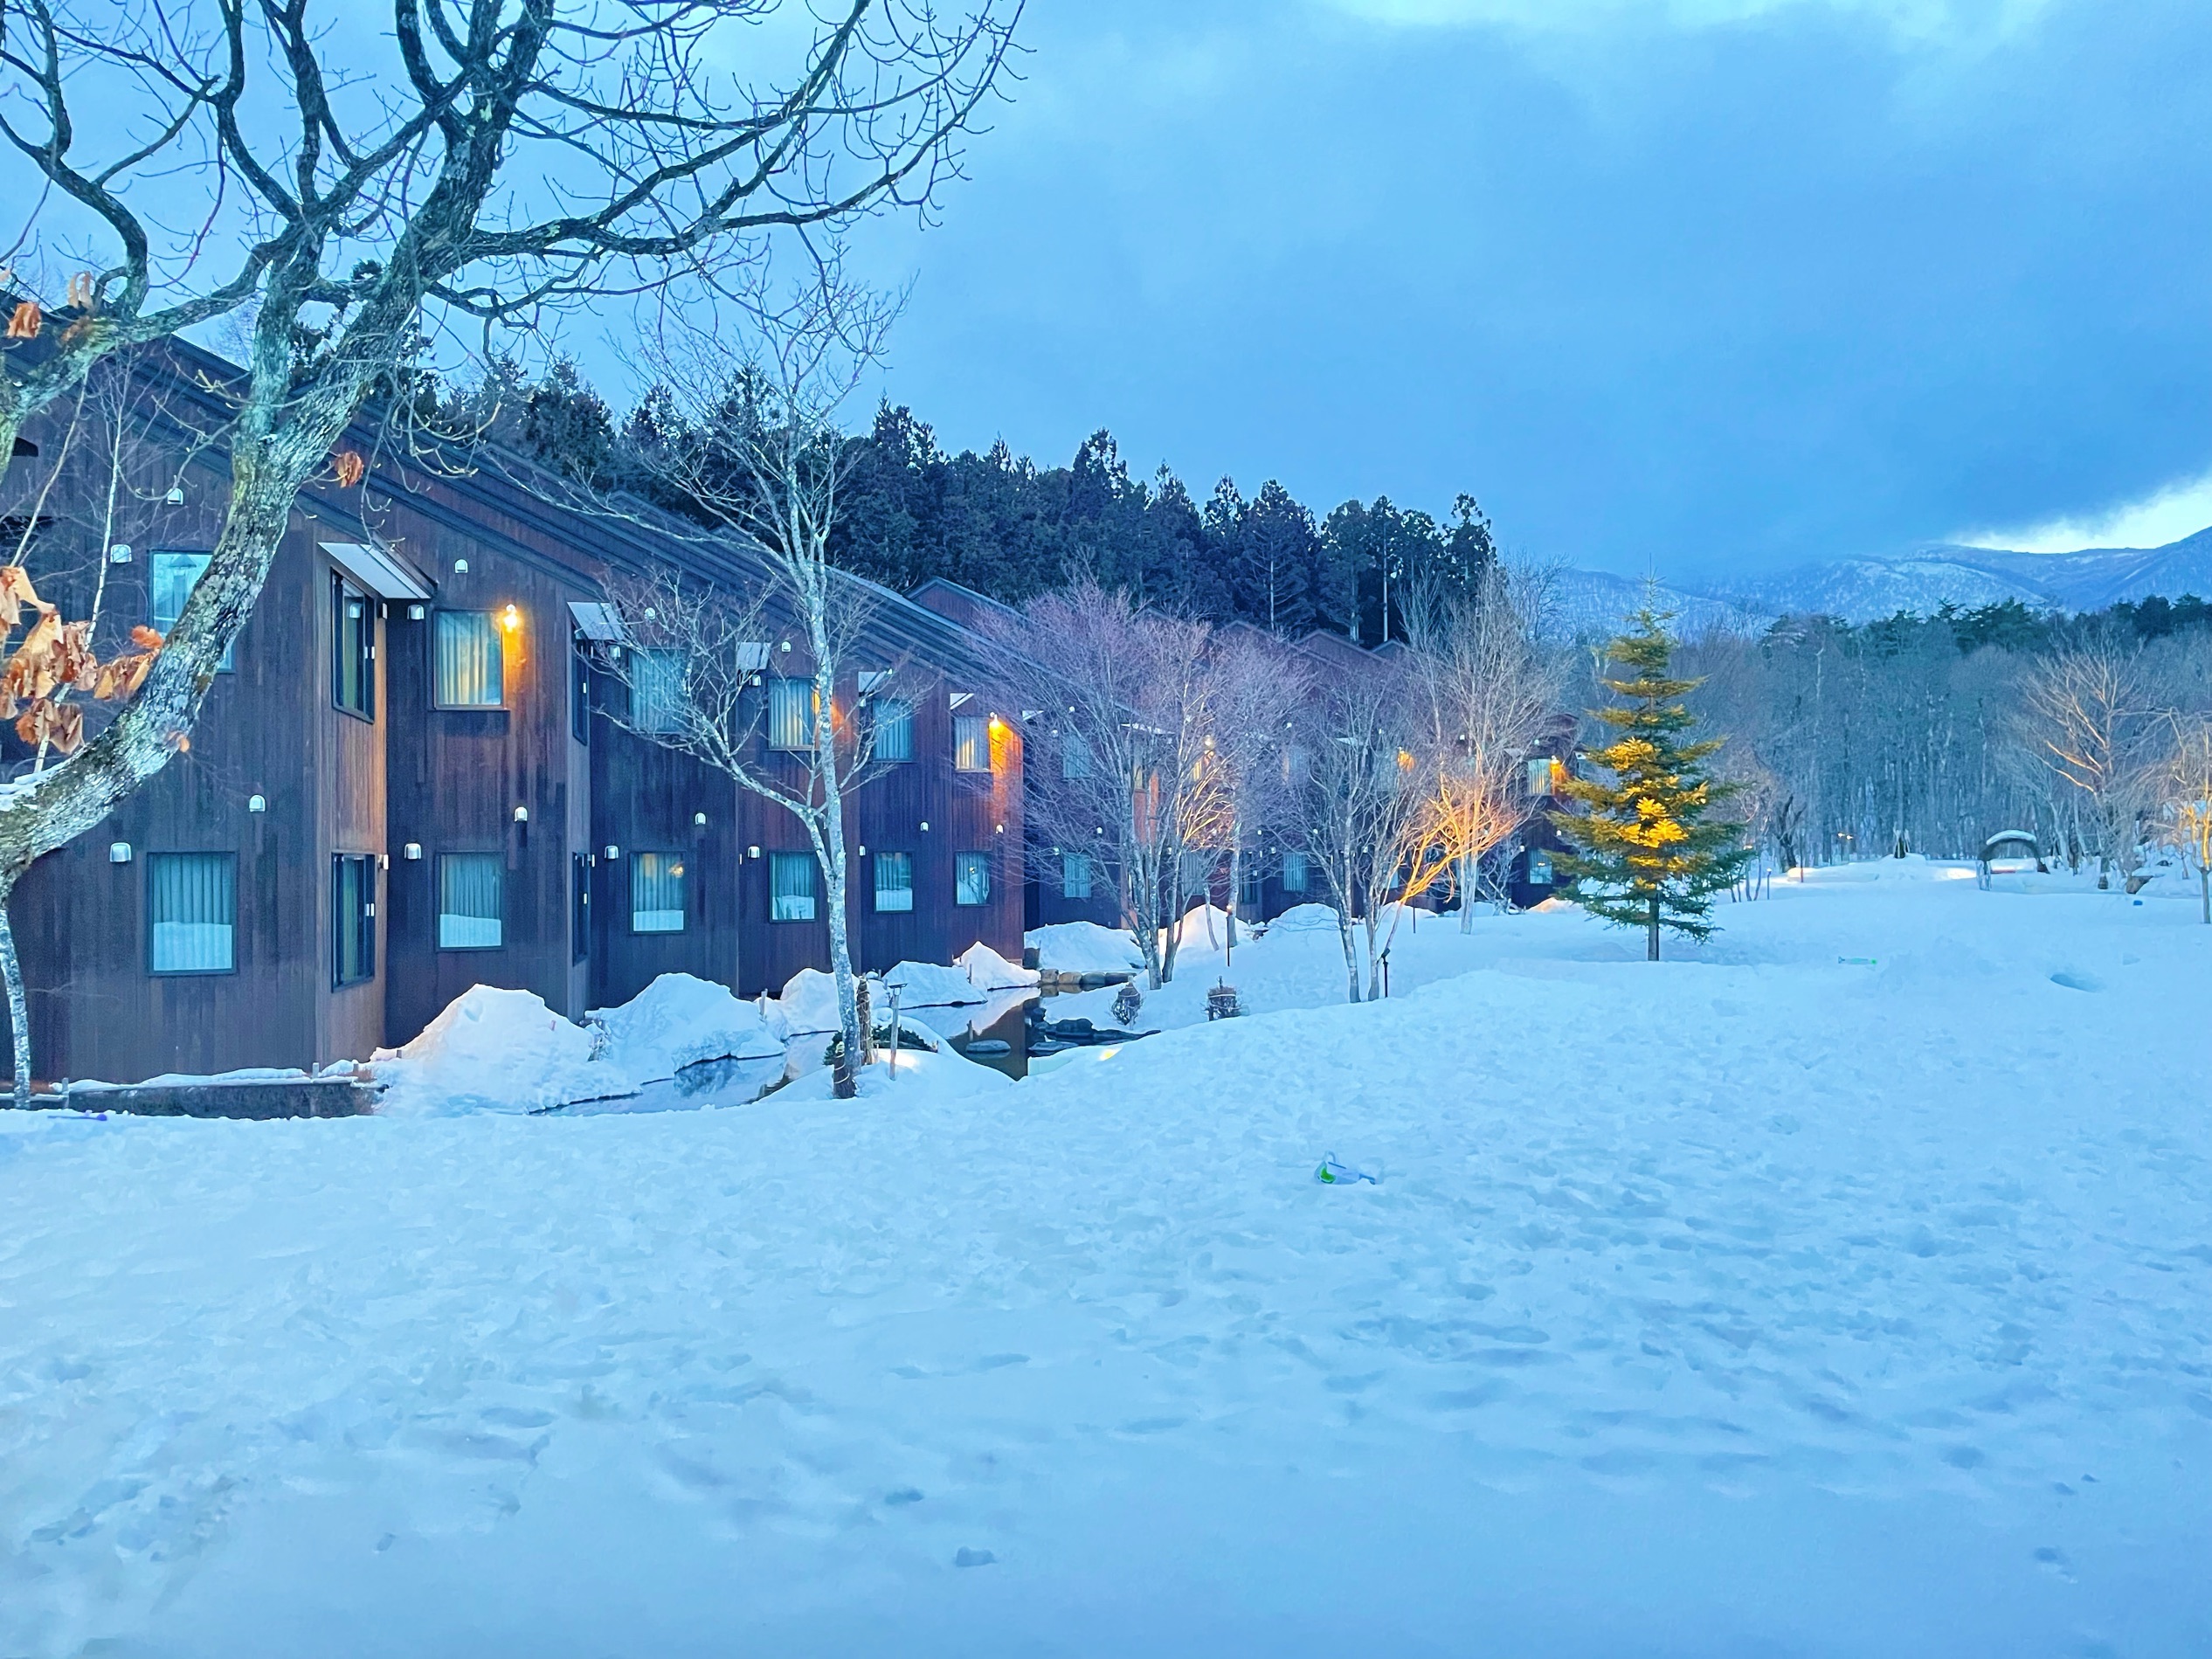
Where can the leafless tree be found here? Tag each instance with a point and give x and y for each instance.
(2185, 791)
(1258, 686)
(2088, 714)
(501, 163)
(757, 445)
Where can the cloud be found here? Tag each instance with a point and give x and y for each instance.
(2167, 514)
(1912, 19)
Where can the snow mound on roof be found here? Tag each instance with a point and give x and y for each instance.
(930, 984)
(495, 1050)
(988, 971)
(1084, 947)
(679, 1020)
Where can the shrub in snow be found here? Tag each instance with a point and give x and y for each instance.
(678, 1021)
(1128, 1004)
(495, 1050)
(988, 971)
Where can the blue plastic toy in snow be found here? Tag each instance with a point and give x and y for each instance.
(1332, 1174)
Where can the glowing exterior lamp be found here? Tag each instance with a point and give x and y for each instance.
(510, 619)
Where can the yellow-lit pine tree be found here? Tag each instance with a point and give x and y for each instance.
(1648, 852)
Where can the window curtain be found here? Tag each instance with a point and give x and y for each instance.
(656, 691)
(790, 713)
(790, 887)
(471, 900)
(470, 671)
(1074, 756)
(173, 575)
(895, 880)
(656, 893)
(1074, 875)
(193, 901)
(1294, 872)
(971, 744)
(971, 879)
(894, 729)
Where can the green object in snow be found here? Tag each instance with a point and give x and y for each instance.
(1323, 1174)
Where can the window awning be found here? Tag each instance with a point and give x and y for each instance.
(598, 622)
(378, 570)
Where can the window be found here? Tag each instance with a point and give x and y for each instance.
(353, 918)
(472, 900)
(471, 666)
(192, 901)
(579, 907)
(173, 575)
(580, 695)
(894, 881)
(790, 887)
(971, 744)
(1074, 875)
(656, 893)
(1247, 885)
(1294, 765)
(1294, 872)
(1198, 872)
(894, 730)
(1544, 776)
(1074, 756)
(656, 691)
(1539, 868)
(353, 649)
(790, 713)
(971, 878)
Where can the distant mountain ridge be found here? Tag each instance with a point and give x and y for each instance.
(1868, 588)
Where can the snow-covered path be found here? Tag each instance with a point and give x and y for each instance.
(1761, 1303)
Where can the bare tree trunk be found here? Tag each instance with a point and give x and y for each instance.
(1345, 926)
(832, 848)
(2203, 888)
(1469, 864)
(1651, 933)
(18, 1008)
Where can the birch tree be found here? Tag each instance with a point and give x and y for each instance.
(2186, 784)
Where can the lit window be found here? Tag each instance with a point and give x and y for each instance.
(472, 894)
(971, 879)
(472, 670)
(353, 649)
(656, 691)
(790, 714)
(192, 901)
(971, 744)
(1544, 776)
(895, 880)
(894, 730)
(656, 893)
(1294, 872)
(353, 918)
(1074, 875)
(790, 887)
(1540, 868)
(174, 576)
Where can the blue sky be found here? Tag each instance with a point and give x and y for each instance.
(1691, 285)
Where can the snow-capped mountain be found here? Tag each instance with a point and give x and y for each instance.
(1863, 589)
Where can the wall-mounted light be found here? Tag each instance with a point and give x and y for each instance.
(752, 852)
(998, 829)
(510, 619)
(256, 802)
(119, 554)
(700, 819)
(461, 567)
(863, 852)
(521, 815)
(413, 850)
(119, 852)
(415, 613)
(925, 825)
(613, 852)
(383, 861)
(176, 497)
(786, 647)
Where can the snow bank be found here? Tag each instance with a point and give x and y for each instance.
(809, 1003)
(679, 1020)
(494, 1051)
(929, 984)
(988, 971)
(936, 1078)
(1084, 947)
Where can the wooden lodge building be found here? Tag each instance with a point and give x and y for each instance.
(404, 782)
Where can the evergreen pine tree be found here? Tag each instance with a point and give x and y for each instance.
(1650, 852)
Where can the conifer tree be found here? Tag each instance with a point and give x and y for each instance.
(1650, 852)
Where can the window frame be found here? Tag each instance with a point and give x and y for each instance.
(499, 640)
(632, 857)
(579, 692)
(667, 700)
(982, 724)
(154, 619)
(364, 651)
(362, 922)
(878, 725)
(877, 889)
(438, 913)
(579, 908)
(802, 685)
(1084, 862)
(776, 855)
(959, 864)
(152, 859)
(1305, 883)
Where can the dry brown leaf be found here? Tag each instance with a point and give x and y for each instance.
(351, 468)
(27, 321)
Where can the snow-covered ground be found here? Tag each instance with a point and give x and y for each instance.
(1843, 1288)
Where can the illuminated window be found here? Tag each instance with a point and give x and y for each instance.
(471, 670)
(894, 881)
(790, 887)
(971, 878)
(971, 744)
(656, 892)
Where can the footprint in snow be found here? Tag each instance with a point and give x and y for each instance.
(967, 1558)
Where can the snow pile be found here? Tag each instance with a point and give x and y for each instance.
(940, 1076)
(1084, 947)
(809, 1003)
(495, 1051)
(930, 984)
(679, 1020)
(987, 971)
